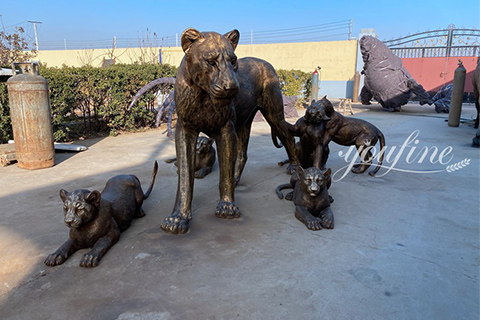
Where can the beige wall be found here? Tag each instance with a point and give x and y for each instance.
(337, 58)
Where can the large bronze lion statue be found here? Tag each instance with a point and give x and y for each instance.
(219, 95)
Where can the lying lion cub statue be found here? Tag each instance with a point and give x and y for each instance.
(219, 95)
(96, 219)
(204, 157)
(310, 196)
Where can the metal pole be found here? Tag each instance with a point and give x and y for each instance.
(35, 28)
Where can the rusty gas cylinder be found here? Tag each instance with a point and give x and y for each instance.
(31, 122)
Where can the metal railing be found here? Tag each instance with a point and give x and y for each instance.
(450, 42)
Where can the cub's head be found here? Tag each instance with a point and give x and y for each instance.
(315, 113)
(313, 180)
(211, 61)
(79, 206)
(204, 145)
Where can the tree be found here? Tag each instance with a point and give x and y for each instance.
(14, 48)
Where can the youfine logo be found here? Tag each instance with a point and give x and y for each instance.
(397, 158)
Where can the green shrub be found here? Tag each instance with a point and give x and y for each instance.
(295, 83)
(89, 101)
(5, 122)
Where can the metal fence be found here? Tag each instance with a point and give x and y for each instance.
(450, 42)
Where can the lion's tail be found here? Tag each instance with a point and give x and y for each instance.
(279, 189)
(382, 153)
(275, 141)
(154, 174)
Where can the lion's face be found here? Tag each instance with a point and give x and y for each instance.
(315, 113)
(79, 206)
(313, 180)
(212, 61)
(204, 145)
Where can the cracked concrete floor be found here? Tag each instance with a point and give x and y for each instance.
(405, 245)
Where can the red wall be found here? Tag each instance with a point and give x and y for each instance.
(429, 71)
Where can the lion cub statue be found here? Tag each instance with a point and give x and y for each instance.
(348, 131)
(204, 157)
(96, 219)
(310, 196)
(311, 130)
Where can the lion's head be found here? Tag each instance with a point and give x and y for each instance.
(212, 63)
(315, 113)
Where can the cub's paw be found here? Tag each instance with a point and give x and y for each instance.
(175, 224)
(55, 259)
(313, 224)
(89, 260)
(203, 172)
(289, 196)
(291, 169)
(227, 210)
(327, 220)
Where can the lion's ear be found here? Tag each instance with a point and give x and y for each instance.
(63, 194)
(233, 36)
(189, 36)
(94, 198)
(327, 173)
(299, 171)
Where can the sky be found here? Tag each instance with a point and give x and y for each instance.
(79, 23)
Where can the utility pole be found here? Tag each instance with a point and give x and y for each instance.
(35, 28)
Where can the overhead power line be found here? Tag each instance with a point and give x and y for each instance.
(338, 30)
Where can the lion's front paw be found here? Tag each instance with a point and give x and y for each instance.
(175, 224)
(327, 219)
(55, 259)
(227, 210)
(314, 224)
(89, 260)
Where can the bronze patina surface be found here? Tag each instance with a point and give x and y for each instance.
(310, 196)
(311, 130)
(204, 157)
(347, 131)
(96, 219)
(219, 95)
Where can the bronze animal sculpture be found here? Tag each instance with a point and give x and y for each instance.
(310, 196)
(96, 219)
(204, 157)
(311, 130)
(347, 131)
(219, 95)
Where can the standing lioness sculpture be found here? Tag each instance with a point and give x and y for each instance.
(219, 95)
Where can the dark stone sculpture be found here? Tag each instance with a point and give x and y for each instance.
(310, 196)
(442, 99)
(218, 95)
(347, 131)
(204, 157)
(96, 219)
(386, 79)
(476, 90)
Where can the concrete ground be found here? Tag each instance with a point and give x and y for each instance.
(405, 244)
